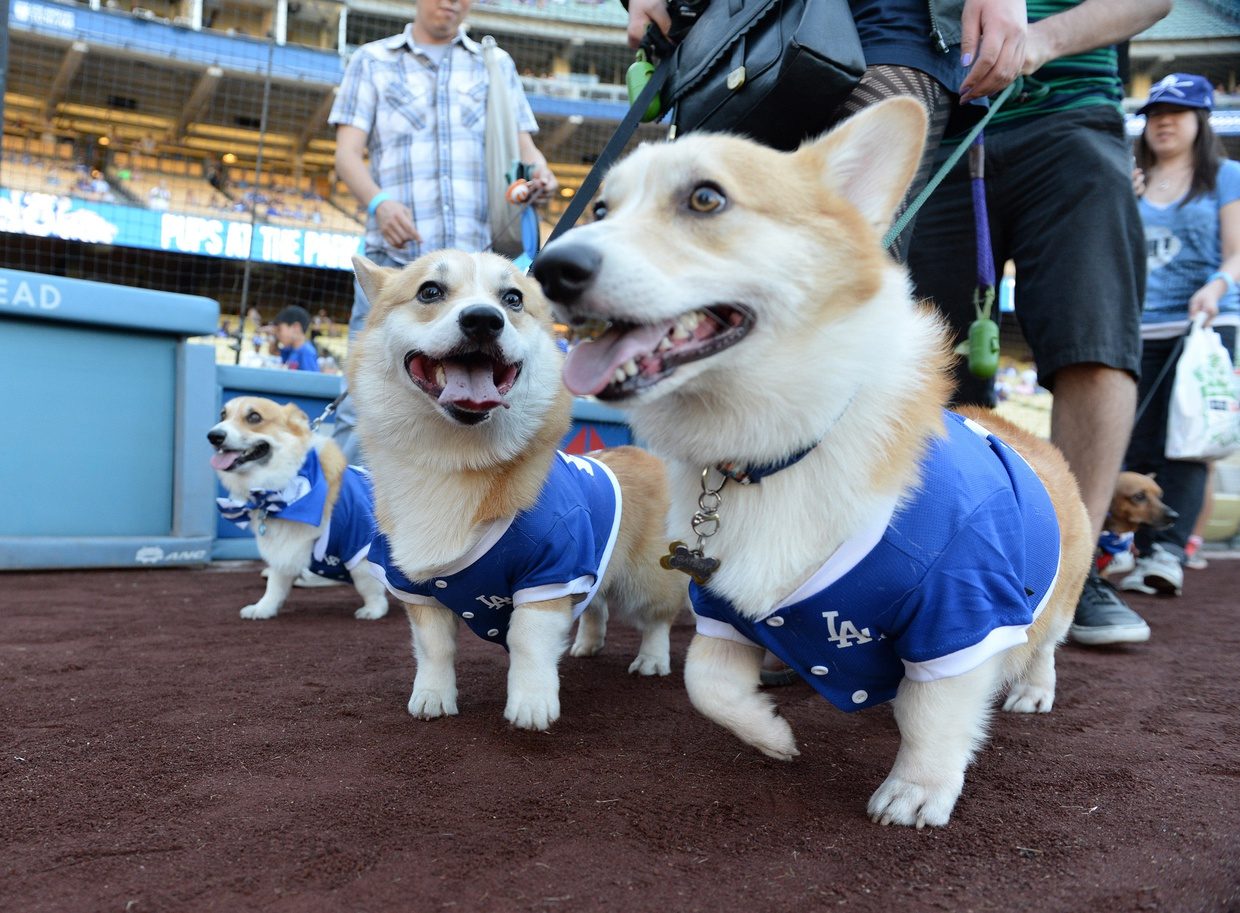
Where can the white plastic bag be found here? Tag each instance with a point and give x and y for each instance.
(1203, 420)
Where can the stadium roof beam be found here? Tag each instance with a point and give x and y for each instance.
(199, 98)
(69, 65)
(317, 119)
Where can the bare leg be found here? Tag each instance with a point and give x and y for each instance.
(1091, 420)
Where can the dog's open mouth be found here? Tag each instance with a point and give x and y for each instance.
(226, 460)
(630, 357)
(464, 382)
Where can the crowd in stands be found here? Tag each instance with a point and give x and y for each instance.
(188, 186)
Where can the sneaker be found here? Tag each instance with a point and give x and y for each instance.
(1134, 582)
(1102, 617)
(1192, 554)
(1121, 564)
(1161, 571)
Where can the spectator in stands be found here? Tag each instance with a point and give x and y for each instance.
(425, 187)
(296, 352)
(1190, 206)
(1058, 189)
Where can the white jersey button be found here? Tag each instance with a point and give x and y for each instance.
(494, 632)
(775, 622)
(442, 584)
(859, 697)
(819, 670)
(467, 614)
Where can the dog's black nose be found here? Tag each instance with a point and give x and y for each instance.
(565, 270)
(216, 436)
(1171, 515)
(481, 322)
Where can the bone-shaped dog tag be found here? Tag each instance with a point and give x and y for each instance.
(693, 563)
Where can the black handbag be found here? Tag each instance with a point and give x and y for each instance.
(773, 70)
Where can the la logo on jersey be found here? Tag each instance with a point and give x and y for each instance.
(846, 634)
(495, 602)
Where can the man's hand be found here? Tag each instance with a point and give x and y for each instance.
(543, 185)
(643, 12)
(993, 36)
(396, 223)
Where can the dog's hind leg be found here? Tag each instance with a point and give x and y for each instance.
(942, 724)
(654, 656)
(591, 629)
(537, 636)
(373, 593)
(434, 650)
(1033, 685)
(722, 679)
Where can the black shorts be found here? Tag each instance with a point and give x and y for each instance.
(1060, 202)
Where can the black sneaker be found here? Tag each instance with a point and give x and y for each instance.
(1103, 618)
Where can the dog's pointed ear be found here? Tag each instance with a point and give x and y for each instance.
(871, 158)
(371, 277)
(296, 417)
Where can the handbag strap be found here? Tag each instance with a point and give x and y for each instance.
(612, 150)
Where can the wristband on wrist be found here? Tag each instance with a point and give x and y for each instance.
(1227, 280)
(378, 199)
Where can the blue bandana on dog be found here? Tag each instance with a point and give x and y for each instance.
(301, 500)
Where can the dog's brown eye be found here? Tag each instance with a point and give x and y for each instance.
(430, 291)
(600, 210)
(707, 198)
(223, 414)
(1139, 497)
(512, 299)
(253, 418)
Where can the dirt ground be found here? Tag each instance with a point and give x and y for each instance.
(160, 754)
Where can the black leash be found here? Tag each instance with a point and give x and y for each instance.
(1171, 360)
(611, 152)
(331, 407)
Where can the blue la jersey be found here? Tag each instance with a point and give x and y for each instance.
(347, 533)
(560, 547)
(948, 579)
(350, 529)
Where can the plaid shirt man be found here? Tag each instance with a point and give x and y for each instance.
(426, 128)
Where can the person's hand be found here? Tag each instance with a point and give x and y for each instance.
(543, 185)
(396, 223)
(993, 34)
(1138, 182)
(644, 12)
(1205, 300)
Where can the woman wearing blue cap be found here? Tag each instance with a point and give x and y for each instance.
(1190, 206)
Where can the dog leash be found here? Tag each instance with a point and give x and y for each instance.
(326, 413)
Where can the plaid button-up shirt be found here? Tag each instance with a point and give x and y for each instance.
(426, 129)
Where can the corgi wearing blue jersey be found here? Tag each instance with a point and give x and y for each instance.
(308, 510)
(460, 410)
(743, 308)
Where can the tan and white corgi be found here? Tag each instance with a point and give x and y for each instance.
(460, 406)
(307, 508)
(738, 303)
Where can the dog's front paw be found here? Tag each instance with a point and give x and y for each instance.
(1027, 698)
(429, 705)
(258, 610)
(371, 612)
(645, 664)
(914, 804)
(533, 710)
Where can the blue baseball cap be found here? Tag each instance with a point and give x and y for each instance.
(1185, 90)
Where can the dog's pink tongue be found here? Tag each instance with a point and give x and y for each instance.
(592, 365)
(471, 386)
(223, 459)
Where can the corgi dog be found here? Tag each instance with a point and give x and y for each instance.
(308, 509)
(1137, 502)
(737, 302)
(456, 380)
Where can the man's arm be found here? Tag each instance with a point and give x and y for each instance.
(394, 218)
(1088, 25)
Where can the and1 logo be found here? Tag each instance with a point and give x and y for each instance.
(153, 554)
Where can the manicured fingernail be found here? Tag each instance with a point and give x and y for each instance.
(966, 59)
